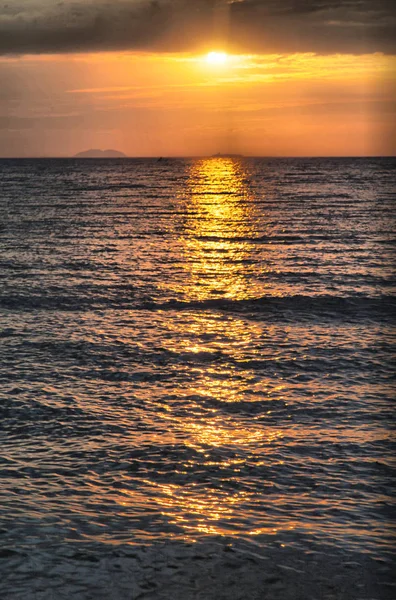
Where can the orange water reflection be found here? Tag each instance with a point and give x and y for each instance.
(219, 231)
(226, 445)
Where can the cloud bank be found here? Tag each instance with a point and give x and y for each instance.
(263, 26)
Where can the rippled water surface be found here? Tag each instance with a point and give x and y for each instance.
(197, 347)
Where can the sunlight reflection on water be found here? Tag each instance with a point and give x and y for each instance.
(218, 228)
(218, 254)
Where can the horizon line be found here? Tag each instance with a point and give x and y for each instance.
(183, 156)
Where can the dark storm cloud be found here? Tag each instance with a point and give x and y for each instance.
(323, 26)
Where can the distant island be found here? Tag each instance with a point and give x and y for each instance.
(100, 154)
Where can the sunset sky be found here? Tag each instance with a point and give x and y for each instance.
(302, 77)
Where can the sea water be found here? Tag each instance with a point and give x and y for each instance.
(194, 350)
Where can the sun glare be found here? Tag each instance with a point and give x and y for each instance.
(216, 58)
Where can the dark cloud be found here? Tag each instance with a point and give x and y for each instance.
(323, 26)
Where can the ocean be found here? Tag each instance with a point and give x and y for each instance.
(197, 367)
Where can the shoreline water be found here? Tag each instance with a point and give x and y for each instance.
(217, 569)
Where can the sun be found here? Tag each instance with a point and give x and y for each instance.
(216, 58)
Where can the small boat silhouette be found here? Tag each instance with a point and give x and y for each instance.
(226, 155)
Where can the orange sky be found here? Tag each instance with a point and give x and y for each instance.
(149, 104)
(313, 77)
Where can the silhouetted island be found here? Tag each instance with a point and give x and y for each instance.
(100, 154)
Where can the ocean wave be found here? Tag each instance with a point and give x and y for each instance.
(283, 307)
(308, 238)
(353, 307)
(108, 187)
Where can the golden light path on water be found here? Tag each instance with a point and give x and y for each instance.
(218, 230)
(218, 243)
